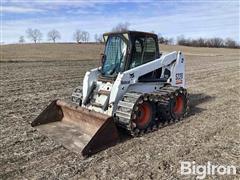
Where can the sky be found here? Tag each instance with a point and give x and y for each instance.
(170, 18)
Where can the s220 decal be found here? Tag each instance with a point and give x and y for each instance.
(179, 78)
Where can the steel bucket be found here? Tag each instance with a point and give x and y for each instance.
(77, 128)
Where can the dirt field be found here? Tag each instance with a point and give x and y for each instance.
(50, 52)
(211, 132)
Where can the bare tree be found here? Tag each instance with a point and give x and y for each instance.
(230, 43)
(98, 38)
(34, 34)
(21, 39)
(77, 35)
(160, 38)
(121, 27)
(201, 42)
(181, 40)
(170, 41)
(207, 42)
(164, 40)
(85, 36)
(216, 42)
(53, 35)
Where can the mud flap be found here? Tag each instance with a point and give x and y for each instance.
(77, 128)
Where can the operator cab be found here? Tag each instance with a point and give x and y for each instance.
(127, 50)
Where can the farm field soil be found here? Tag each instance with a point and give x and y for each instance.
(209, 133)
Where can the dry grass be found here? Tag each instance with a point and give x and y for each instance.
(72, 51)
(50, 52)
(209, 133)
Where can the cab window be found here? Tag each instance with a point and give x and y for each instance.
(143, 51)
(115, 51)
(149, 50)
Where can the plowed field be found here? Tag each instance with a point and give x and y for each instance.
(32, 76)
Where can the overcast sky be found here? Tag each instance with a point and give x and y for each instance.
(170, 18)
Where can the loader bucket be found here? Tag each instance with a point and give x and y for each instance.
(77, 128)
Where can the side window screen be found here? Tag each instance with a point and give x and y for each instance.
(138, 47)
(137, 53)
(143, 51)
(150, 50)
(115, 51)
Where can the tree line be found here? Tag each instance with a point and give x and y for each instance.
(35, 35)
(79, 36)
(200, 42)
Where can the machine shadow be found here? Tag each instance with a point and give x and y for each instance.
(197, 99)
(194, 101)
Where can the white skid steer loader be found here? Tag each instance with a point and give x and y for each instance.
(136, 89)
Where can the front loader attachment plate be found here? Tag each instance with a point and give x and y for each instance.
(77, 128)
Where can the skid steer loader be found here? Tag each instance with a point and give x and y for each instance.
(136, 89)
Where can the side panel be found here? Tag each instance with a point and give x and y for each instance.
(178, 71)
(118, 90)
(88, 80)
(130, 78)
(146, 87)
